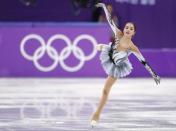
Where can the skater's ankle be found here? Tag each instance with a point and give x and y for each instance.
(95, 117)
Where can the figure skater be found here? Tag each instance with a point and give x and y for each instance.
(114, 59)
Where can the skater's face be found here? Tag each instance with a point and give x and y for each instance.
(129, 30)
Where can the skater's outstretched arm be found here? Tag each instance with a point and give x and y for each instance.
(140, 57)
(112, 24)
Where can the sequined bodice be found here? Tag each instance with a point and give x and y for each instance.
(119, 56)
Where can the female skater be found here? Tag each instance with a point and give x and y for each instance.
(114, 59)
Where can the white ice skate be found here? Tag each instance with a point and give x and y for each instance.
(93, 123)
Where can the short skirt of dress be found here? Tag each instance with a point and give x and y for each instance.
(119, 70)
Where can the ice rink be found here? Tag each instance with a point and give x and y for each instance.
(67, 105)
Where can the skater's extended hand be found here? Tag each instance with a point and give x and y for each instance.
(100, 5)
(157, 79)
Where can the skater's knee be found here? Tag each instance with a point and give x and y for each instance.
(105, 92)
(100, 47)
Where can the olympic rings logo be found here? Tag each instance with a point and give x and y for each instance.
(46, 47)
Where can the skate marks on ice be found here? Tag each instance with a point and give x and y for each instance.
(66, 105)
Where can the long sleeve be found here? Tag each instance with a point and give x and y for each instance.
(140, 57)
(108, 17)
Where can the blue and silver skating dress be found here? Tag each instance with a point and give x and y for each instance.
(115, 63)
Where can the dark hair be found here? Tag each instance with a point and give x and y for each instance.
(132, 24)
